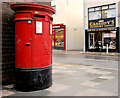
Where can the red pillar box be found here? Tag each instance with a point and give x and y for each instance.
(33, 46)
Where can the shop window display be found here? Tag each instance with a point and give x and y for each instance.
(109, 13)
(91, 40)
(58, 37)
(110, 39)
(94, 41)
(99, 40)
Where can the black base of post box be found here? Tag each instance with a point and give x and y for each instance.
(33, 79)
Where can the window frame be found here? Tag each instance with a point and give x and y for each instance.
(100, 10)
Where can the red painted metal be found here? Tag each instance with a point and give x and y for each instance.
(32, 50)
(64, 37)
(58, 25)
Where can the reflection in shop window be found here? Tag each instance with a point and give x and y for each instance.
(59, 38)
(104, 13)
(95, 41)
(112, 6)
(91, 10)
(99, 40)
(104, 7)
(91, 40)
(111, 13)
(97, 8)
(95, 15)
(108, 13)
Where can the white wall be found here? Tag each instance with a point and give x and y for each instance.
(70, 13)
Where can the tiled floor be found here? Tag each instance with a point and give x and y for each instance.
(94, 92)
(76, 80)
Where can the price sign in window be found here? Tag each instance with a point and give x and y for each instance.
(38, 27)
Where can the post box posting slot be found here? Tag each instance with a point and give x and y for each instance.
(38, 16)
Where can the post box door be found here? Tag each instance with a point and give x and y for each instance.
(42, 45)
(23, 44)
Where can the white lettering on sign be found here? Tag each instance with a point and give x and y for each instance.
(106, 35)
(109, 35)
(112, 35)
(39, 27)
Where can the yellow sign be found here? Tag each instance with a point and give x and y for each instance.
(102, 23)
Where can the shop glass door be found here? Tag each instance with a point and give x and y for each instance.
(95, 41)
(91, 40)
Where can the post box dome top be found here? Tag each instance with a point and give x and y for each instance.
(19, 6)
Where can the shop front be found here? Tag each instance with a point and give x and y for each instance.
(102, 32)
(98, 39)
(59, 37)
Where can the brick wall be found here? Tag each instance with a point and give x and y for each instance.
(8, 42)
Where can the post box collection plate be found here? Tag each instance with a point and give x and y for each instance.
(39, 27)
(33, 46)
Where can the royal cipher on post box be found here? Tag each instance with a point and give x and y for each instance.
(33, 46)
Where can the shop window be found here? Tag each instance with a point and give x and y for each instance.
(105, 11)
(91, 41)
(98, 40)
(108, 13)
(94, 40)
(110, 39)
(58, 37)
(94, 15)
(111, 13)
(112, 6)
(91, 9)
(97, 8)
(104, 7)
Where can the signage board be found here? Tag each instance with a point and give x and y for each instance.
(102, 29)
(102, 23)
(107, 35)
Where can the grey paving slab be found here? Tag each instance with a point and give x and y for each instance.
(99, 80)
(94, 92)
(72, 91)
(78, 75)
(109, 86)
